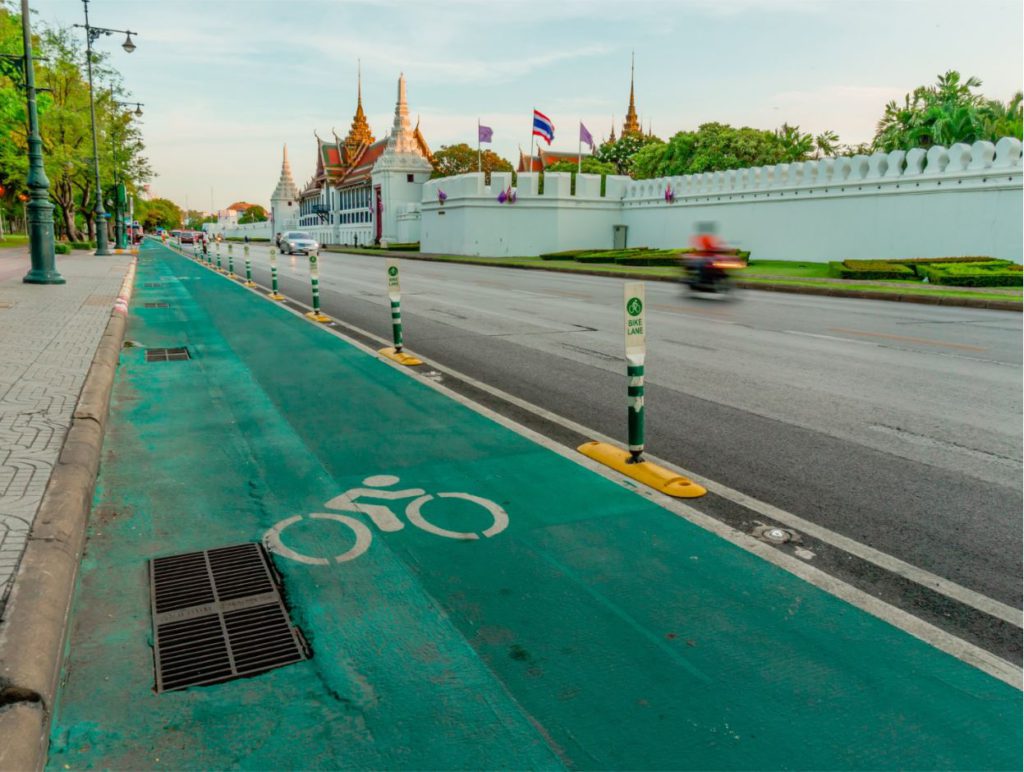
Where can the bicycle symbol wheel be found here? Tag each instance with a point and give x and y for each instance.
(363, 539)
(412, 511)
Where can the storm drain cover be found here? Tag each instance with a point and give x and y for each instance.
(218, 615)
(166, 354)
(156, 305)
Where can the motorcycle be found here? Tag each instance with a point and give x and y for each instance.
(710, 273)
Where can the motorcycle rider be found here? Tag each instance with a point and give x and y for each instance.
(707, 247)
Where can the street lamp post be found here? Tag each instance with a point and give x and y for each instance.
(92, 34)
(39, 209)
(120, 202)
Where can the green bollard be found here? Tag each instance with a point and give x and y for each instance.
(314, 280)
(274, 294)
(248, 268)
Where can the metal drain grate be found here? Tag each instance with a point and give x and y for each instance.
(218, 615)
(156, 305)
(166, 354)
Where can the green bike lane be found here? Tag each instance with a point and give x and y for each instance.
(598, 630)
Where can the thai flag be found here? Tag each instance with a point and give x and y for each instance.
(543, 127)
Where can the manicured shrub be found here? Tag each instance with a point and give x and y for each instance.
(83, 244)
(876, 270)
(992, 273)
(410, 247)
(61, 248)
(568, 254)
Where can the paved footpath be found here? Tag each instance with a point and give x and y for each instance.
(596, 629)
(48, 336)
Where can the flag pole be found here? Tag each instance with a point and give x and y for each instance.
(530, 157)
(479, 164)
(579, 151)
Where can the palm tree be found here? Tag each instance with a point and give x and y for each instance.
(826, 144)
(795, 146)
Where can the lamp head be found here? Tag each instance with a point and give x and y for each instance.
(138, 110)
(128, 45)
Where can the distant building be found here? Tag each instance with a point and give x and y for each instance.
(362, 187)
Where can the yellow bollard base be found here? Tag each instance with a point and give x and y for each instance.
(275, 296)
(249, 283)
(317, 317)
(400, 356)
(650, 474)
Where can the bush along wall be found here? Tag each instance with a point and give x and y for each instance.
(971, 271)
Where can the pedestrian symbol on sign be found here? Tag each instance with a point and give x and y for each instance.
(634, 306)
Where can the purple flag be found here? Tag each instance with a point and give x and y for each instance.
(484, 133)
(585, 137)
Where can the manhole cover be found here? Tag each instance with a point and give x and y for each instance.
(155, 305)
(217, 616)
(166, 354)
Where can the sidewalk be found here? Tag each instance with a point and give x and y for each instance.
(48, 335)
(595, 629)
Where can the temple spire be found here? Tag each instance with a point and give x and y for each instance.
(631, 124)
(359, 133)
(285, 189)
(402, 139)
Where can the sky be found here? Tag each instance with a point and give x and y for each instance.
(227, 83)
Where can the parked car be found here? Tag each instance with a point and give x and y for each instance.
(188, 237)
(298, 241)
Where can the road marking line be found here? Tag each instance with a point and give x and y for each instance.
(950, 589)
(906, 339)
(935, 636)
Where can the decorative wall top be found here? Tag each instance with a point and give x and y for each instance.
(916, 164)
(982, 160)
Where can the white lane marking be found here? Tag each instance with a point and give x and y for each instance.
(894, 565)
(963, 650)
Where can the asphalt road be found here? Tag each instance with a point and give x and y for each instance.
(897, 426)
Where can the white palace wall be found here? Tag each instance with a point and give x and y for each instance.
(962, 200)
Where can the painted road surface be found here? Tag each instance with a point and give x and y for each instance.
(596, 629)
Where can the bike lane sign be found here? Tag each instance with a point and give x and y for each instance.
(394, 287)
(635, 321)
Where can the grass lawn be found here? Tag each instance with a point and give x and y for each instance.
(760, 271)
(11, 240)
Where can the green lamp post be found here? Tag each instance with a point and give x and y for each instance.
(92, 33)
(40, 210)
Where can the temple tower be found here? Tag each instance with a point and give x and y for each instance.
(399, 174)
(359, 133)
(631, 124)
(284, 208)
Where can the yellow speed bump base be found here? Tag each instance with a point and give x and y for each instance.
(317, 317)
(275, 296)
(400, 356)
(249, 283)
(646, 472)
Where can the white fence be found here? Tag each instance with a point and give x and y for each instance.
(962, 200)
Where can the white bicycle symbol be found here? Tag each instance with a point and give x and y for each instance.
(382, 517)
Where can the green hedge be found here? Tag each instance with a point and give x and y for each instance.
(62, 249)
(992, 273)
(410, 247)
(83, 245)
(875, 270)
(568, 254)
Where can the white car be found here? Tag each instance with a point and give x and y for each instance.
(298, 241)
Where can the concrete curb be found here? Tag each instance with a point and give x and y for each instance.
(931, 300)
(33, 636)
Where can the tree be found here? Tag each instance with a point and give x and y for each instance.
(620, 152)
(719, 146)
(65, 127)
(590, 166)
(254, 213)
(950, 111)
(462, 159)
(158, 213)
(194, 219)
(826, 144)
